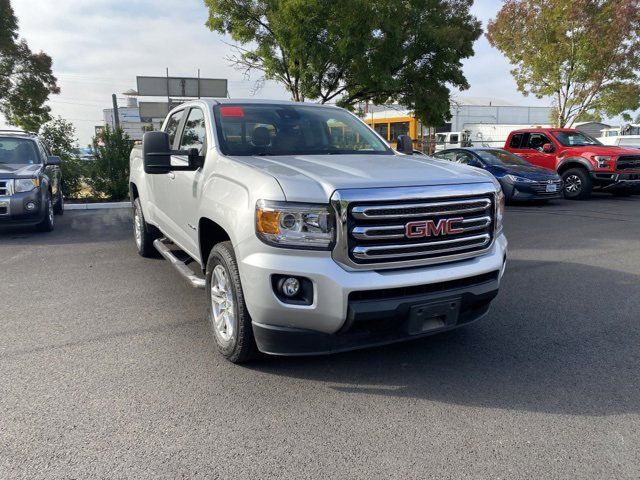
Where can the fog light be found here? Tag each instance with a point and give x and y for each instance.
(290, 287)
(30, 206)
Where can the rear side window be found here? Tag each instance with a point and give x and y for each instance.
(516, 140)
(194, 133)
(172, 126)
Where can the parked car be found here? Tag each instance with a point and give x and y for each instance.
(519, 179)
(583, 162)
(312, 243)
(30, 181)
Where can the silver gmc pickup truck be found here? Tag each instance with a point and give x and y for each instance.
(309, 233)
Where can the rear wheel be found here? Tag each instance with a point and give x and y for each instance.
(58, 208)
(144, 233)
(577, 184)
(227, 313)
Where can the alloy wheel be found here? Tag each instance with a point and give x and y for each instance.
(223, 307)
(573, 184)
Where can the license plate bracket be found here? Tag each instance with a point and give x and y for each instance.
(433, 315)
(552, 188)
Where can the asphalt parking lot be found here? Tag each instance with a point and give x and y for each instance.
(107, 369)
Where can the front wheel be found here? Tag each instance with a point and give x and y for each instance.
(48, 222)
(577, 184)
(227, 313)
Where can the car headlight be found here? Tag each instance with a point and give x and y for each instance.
(294, 225)
(603, 161)
(516, 179)
(25, 184)
(500, 201)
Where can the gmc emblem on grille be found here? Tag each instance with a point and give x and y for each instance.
(429, 228)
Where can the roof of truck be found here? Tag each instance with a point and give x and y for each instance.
(224, 101)
(543, 130)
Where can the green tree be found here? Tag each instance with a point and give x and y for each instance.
(60, 135)
(585, 54)
(108, 174)
(352, 51)
(26, 78)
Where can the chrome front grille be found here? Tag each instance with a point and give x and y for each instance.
(377, 233)
(628, 162)
(5, 188)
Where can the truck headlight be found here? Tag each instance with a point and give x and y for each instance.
(499, 212)
(25, 184)
(602, 161)
(294, 225)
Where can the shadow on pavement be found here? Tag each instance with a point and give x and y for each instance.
(561, 338)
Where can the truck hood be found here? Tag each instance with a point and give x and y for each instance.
(314, 178)
(15, 170)
(590, 150)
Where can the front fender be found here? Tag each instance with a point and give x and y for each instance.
(565, 162)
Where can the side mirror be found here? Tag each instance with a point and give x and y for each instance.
(548, 148)
(156, 153)
(53, 160)
(405, 145)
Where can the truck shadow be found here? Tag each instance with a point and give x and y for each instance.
(561, 338)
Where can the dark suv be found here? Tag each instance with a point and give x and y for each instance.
(30, 181)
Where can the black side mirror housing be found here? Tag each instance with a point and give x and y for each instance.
(156, 154)
(405, 145)
(53, 160)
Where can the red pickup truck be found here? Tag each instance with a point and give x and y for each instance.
(583, 163)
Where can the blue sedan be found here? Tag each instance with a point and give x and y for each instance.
(519, 179)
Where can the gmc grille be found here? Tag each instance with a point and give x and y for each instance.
(374, 233)
(628, 162)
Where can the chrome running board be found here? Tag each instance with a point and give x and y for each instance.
(162, 245)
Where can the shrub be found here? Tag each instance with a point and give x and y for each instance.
(108, 174)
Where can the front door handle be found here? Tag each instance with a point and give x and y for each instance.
(171, 175)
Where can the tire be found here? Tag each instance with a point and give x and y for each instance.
(577, 184)
(227, 315)
(143, 233)
(58, 207)
(48, 223)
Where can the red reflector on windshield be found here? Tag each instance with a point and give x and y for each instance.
(231, 112)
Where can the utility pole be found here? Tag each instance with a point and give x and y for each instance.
(116, 115)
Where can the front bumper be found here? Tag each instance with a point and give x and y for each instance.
(13, 211)
(343, 300)
(616, 181)
(523, 191)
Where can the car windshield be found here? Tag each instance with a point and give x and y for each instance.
(501, 157)
(575, 139)
(264, 129)
(18, 151)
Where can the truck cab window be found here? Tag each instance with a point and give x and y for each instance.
(172, 126)
(536, 140)
(516, 140)
(194, 133)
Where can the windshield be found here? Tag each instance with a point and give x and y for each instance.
(575, 139)
(18, 151)
(501, 157)
(261, 129)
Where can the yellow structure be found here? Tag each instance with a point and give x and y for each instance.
(390, 124)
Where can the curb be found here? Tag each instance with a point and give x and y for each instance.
(96, 206)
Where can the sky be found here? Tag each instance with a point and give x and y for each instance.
(100, 46)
